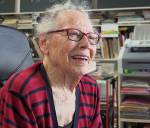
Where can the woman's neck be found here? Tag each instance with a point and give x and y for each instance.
(60, 79)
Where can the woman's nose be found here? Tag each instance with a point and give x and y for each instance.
(84, 42)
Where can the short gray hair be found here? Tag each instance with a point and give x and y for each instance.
(48, 21)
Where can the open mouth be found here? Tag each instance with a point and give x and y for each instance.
(80, 57)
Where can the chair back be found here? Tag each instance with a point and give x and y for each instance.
(15, 52)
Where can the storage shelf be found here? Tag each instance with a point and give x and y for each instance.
(134, 120)
(135, 94)
(108, 60)
(117, 9)
(126, 23)
(24, 28)
(136, 75)
(132, 23)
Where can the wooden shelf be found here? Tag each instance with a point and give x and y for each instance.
(134, 120)
(135, 94)
(126, 23)
(132, 23)
(109, 60)
(117, 9)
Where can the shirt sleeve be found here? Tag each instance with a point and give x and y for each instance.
(14, 112)
(96, 121)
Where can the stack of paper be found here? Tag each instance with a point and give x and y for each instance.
(138, 107)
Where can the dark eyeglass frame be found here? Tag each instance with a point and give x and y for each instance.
(82, 34)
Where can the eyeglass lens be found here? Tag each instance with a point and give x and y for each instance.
(77, 35)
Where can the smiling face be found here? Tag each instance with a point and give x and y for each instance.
(69, 56)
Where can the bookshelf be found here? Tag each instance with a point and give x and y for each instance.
(107, 86)
(23, 8)
(134, 103)
(127, 116)
(109, 47)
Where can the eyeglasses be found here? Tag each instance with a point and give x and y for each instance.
(76, 35)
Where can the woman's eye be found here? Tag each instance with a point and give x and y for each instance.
(91, 37)
(76, 34)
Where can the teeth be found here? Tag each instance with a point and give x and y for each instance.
(80, 57)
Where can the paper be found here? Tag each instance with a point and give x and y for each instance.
(109, 30)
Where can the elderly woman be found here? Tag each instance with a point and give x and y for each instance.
(56, 93)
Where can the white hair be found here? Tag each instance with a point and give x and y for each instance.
(48, 21)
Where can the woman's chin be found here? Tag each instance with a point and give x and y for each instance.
(81, 71)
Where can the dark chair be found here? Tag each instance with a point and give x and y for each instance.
(15, 52)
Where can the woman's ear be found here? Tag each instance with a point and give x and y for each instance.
(43, 44)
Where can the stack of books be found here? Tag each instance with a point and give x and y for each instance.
(129, 17)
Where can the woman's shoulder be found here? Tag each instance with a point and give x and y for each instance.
(19, 80)
(88, 83)
(88, 78)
